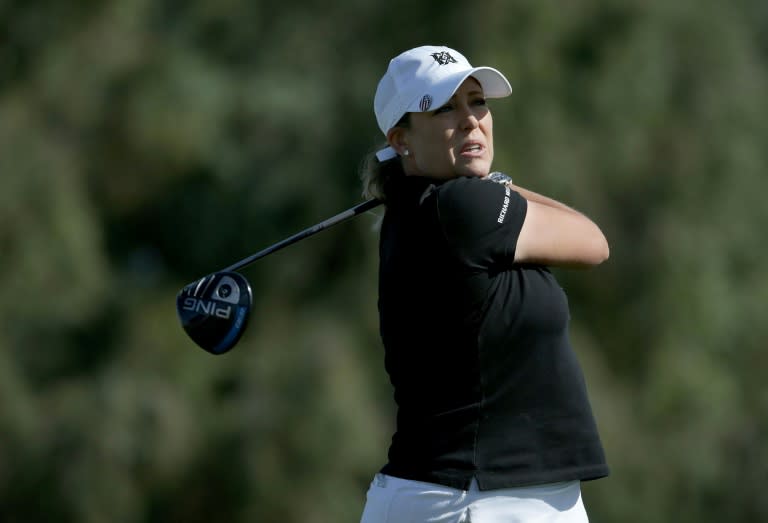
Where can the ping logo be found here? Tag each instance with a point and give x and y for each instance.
(207, 307)
(444, 58)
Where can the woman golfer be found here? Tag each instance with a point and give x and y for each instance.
(493, 420)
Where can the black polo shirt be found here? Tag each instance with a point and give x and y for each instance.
(476, 346)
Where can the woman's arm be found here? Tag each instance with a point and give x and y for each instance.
(556, 235)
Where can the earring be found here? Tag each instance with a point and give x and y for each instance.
(406, 152)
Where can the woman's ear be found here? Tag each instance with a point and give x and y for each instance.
(398, 140)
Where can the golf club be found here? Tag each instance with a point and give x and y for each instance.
(214, 310)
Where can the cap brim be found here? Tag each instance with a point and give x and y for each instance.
(494, 85)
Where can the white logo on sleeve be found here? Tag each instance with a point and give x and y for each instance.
(504, 206)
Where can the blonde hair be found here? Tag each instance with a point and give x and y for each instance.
(376, 175)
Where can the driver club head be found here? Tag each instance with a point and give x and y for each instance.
(214, 310)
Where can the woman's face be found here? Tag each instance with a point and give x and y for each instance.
(453, 140)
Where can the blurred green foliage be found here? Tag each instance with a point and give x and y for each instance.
(144, 144)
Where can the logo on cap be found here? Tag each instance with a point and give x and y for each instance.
(425, 103)
(444, 58)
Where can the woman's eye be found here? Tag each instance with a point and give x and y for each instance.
(449, 107)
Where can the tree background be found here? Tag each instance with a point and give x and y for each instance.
(144, 144)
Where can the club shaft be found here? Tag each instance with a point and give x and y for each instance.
(333, 220)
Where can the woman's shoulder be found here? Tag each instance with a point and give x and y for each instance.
(471, 194)
(467, 186)
(480, 217)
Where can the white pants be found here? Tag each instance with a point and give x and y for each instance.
(395, 500)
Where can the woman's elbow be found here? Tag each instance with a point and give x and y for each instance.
(599, 251)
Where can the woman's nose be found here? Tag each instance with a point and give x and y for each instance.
(469, 120)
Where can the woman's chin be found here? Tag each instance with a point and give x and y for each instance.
(477, 169)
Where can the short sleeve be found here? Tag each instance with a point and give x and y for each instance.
(481, 220)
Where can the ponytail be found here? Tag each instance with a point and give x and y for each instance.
(376, 175)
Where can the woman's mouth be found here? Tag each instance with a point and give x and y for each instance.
(472, 149)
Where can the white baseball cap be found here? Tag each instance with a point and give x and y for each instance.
(425, 78)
